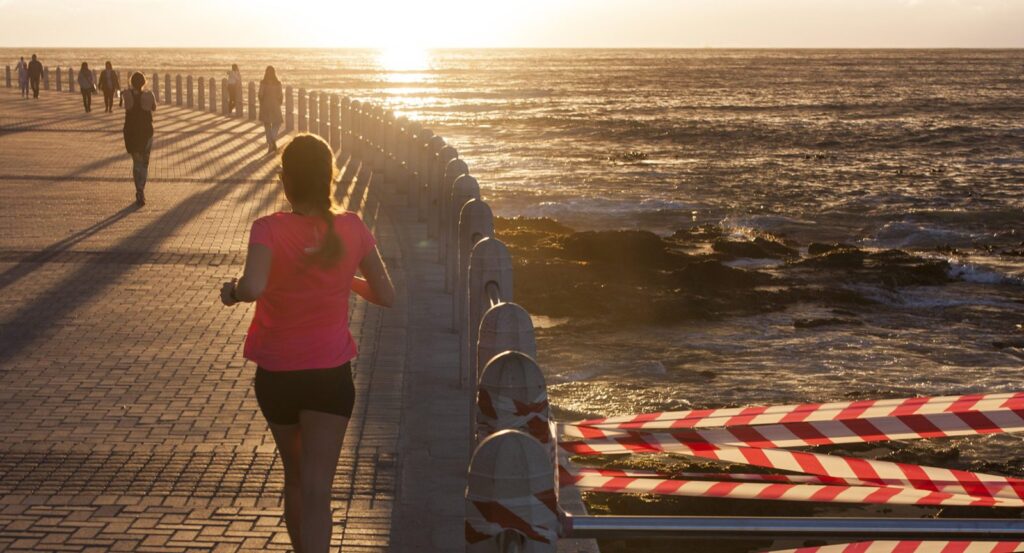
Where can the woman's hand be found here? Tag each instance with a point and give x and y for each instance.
(227, 292)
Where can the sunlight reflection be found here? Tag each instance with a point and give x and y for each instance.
(405, 65)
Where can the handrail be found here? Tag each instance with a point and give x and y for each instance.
(751, 528)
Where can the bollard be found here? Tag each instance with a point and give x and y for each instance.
(314, 112)
(390, 165)
(252, 101)
(167, 89)
(189, 99)
(511, 503)
(7, 76)
(505, 326)
(289, 109)
(225, 96)
(57, 75)
(435, 169)
(452, 171)
(346, 125)
(423, 170)
(155, 87)
(333, 133)
(213, 95)
(465, 189)
(71, 79)
(475, 223)
(201, 89)
(512, 396)
(357, 139)
(412, 161)
(401, 155)
(489, 261)
(302, 110)
(177, 90)
(46, 78)
(323, 120)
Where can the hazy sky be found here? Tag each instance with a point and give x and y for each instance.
(497, 23)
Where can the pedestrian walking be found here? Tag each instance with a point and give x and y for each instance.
(234, 88)
(86, 85)
(110, 84)
(300, 270)
(35, 72)
(22, 70)
(139, 105)
(271, 96)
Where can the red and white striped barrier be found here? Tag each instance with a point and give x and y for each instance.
(810, 412)
(489, 518)
(504, 412)
(910, 546)
(883, 473)
(882, 495)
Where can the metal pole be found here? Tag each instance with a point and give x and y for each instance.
(749, 528)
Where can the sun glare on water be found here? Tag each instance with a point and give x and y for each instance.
(404, 60)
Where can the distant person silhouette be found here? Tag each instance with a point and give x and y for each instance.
(234, 88)
(35, 72)
(109, 83)
(271, 96)
(22, 69)
(86, 85)
(300, 270)
(139, 105)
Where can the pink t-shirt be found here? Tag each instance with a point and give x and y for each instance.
(301, 319)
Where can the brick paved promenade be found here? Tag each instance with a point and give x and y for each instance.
(127, 416)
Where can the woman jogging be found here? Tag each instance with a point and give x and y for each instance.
(300, 269)
(139, 106)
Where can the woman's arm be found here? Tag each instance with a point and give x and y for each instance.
(376, 285)
(254, 278)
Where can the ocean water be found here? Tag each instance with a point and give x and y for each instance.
(919, 150)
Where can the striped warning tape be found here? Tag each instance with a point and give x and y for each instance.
(810, 412)
(911, 546)
(888, 495)
(486, 518)
(883, 473)
(992, 420)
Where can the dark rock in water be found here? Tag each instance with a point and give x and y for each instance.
(536, 224)
(759, 248)
(817, 248)
(702, 233)
(836, 259)
(713, 274)
(637, 248)
(899, 268)
(816, 323)
(1003, 344)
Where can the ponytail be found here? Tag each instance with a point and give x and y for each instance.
(307, 164)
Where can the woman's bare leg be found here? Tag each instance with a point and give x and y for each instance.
(322, 435)
(289, 444)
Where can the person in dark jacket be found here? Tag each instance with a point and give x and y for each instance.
(87, 85)
(109, 84)
(139, 105)
(35, 71)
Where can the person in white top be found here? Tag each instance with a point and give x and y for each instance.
(22, 69)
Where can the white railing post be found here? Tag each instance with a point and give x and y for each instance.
(201, 93)
(213, 95)
(452, 171)
(252, 101)
(7, 75)
(225, 98)
(302, 110)
(57, 81)
(323, 122)
(167, 89)
(510, 473)
(346, 125)
(422, 154)
(475, 223)
(333, 130)
(46, 78)
(489, 261)
(177, 90)
(289, 109)
(465, 189)
(314, 112)
(155, 86)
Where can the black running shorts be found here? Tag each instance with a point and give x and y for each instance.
(282, 394)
